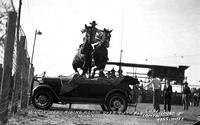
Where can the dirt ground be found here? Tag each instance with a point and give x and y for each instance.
(93, 115)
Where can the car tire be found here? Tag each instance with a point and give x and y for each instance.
(42, 99)
(104, 107)
(117, 102)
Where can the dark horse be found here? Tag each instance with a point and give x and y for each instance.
(83, 58)
(100, 53)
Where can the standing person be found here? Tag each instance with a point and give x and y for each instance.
(156, 92)
(94, 33)
(186, 93)
(196, 99)
(167, 92)
(113, 73)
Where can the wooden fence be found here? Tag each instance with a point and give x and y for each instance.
(14, 72)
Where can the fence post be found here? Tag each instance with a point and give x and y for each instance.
(7, 67)
(24, 92)
(1, 72)
(17, 76)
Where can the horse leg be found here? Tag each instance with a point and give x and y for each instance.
(75, 69)
(101, 73)
(87, 65)
(89, 71)
(85, 69)
(94, 70)
(70, 105)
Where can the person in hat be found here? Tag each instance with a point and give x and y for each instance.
(113, 73)
(93, 23)
(186, 93)
(95, 32)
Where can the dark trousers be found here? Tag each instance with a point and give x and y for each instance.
(186, 102)
(167, 104)
(156, 99)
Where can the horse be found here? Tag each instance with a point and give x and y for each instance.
(78, 60)
(83, 58)
(100, 53)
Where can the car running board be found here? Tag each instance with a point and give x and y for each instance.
(81, 100)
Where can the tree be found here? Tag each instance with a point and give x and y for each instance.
(5, 7)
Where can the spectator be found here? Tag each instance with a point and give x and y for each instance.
(167, 92)
(186, 93)
(108, 75)
(113, 73)
(156, 85)
(196, 99)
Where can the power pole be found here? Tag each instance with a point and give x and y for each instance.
(122, 30)
(18, 20)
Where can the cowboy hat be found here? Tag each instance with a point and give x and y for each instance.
(93, 23)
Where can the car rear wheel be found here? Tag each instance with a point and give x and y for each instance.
(42, 99)
(117, 102)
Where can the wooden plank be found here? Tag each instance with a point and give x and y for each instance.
(24, 92)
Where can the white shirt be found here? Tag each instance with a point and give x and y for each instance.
(155, 84)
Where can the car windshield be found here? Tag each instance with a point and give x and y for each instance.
(69, 76)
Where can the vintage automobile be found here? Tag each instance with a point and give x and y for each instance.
(111, 94)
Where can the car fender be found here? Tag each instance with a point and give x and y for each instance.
(116, 91)
(45, 87)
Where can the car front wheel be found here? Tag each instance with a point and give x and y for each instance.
(42, 99)
(117, 102)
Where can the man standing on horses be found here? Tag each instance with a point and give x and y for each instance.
(93, 35)
(87, 48)
(94, 32)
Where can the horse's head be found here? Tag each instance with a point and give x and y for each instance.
(106, 37)
(90, 33)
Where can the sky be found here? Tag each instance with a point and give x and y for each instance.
(159, 32)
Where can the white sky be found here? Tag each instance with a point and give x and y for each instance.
(160, 31)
